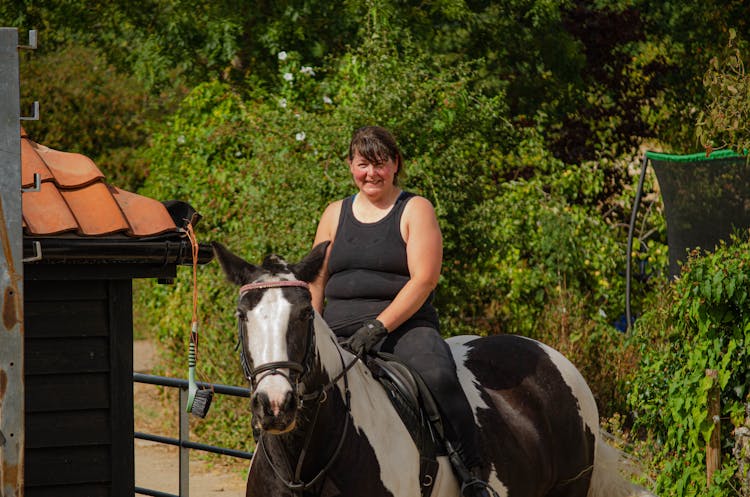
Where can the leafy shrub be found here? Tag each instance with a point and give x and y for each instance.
(705, 325)
(724, 121)
(87, 106)
(523, 232)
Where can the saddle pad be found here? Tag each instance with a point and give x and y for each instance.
(404, 393)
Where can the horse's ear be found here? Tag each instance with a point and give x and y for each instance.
(308, 268)
(236, 269)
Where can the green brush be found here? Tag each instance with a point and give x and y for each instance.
(199, 400)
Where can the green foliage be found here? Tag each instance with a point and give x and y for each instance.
(598, 76)
(724, 123)
(86, 106)
(535, 236)
(707, 326)
(165, 43)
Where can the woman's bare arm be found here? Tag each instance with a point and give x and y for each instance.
(326, 232)
(424, 251)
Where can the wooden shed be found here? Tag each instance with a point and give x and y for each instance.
(91, 240)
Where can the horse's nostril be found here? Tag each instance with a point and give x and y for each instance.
(290, 402)
(260, 401)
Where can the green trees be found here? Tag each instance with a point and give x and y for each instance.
(519, 120)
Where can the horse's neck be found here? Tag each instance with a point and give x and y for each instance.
(354, 410)
(366, 394)
(333, 359)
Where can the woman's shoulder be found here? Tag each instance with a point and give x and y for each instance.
(331, 213)
(418, 209)
(334, 206)
(417, 202)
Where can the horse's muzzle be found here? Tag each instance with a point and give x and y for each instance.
(274, 417)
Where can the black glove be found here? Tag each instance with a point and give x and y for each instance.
(365, 338)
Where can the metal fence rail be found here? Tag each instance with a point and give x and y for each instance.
(183, 442)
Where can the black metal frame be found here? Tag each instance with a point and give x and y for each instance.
(629, 249)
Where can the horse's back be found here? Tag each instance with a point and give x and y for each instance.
(537, 417)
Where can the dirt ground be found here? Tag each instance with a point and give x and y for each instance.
(156, 465)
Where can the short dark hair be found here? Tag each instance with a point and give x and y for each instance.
(377, 144)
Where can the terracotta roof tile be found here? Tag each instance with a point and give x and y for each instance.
(134, 206)
(32, 163)
(69, 170)
(75, 199)
(46, 213)
(95, 210)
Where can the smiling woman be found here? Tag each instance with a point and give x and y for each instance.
(378, 280)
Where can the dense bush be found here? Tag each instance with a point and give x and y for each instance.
(702, 324)
(87, 106)
(261, 169)
(724, 123)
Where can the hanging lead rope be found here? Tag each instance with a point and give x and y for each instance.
(199, 400)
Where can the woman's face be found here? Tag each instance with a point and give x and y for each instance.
(372, 178)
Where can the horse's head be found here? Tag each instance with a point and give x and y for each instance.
(275, 315)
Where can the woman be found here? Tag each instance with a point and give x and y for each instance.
(379, 276)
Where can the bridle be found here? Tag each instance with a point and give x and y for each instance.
(301, 369)
(297, 370)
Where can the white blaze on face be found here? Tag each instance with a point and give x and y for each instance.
(267, 325)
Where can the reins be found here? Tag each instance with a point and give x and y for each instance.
(320, 396)
(199, 399)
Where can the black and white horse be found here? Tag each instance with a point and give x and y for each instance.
(328, 428)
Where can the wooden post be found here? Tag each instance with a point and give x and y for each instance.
(713, 450)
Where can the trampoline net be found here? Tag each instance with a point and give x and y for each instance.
(705, 200)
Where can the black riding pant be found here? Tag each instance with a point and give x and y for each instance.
(419, 344)
(423, 349)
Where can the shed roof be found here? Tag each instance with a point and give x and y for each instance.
(75, 199)
(76, 217)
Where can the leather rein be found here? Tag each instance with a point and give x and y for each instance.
(301, 370)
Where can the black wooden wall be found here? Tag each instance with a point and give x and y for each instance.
(79, 390)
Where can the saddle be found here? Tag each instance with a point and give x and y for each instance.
(417, 409)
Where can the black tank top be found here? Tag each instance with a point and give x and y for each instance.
(367, 268)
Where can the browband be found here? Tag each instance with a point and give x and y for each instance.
(260, 285)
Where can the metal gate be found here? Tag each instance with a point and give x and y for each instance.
(183, 442)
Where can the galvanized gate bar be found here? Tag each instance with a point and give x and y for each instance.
(184, 451)
(11, 272)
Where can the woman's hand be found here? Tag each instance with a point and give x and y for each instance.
(365, 338)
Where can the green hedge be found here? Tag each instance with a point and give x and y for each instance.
(523, 231)
(704, 323)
